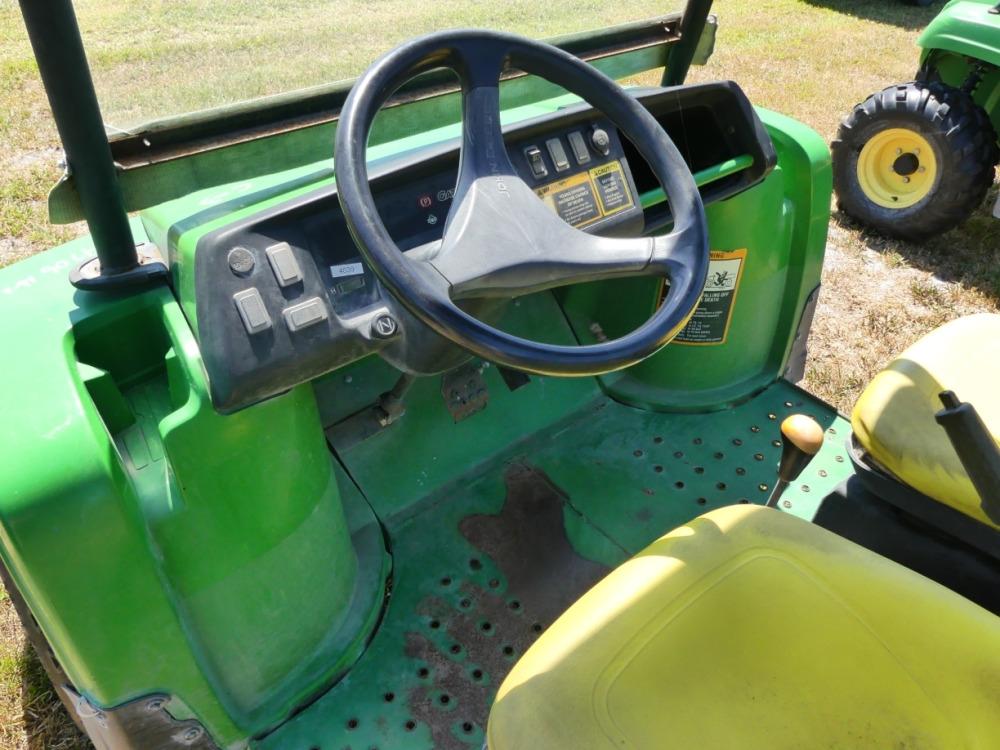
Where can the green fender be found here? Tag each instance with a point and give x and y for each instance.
(964, 27)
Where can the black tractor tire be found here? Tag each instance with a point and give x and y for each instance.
(964, 144)
(921, 3)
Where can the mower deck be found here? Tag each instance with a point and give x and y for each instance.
(482, 564)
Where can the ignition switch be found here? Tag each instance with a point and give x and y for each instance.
(601, 141)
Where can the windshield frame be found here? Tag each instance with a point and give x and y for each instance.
(155, 162)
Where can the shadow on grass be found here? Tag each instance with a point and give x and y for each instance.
(47, 726)
(968, 255)
(895, 12)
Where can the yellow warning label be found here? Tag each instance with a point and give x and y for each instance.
(612, 187)
(709, 326)
(573, 198)
(587, 197)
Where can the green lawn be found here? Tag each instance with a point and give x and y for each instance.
(808, 58)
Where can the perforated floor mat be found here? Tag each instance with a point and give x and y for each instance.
(481, 567)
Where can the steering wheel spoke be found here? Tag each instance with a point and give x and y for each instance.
(483, 153)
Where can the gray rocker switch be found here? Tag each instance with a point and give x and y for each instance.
(558, 154)
(252, 310)
(286, 268)
(305, 314)
(579, 146)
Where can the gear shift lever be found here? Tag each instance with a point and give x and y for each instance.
(801, 439)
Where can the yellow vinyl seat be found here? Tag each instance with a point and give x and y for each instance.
(894, 423)
(749, 629)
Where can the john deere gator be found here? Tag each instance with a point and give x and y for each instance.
(455, 407)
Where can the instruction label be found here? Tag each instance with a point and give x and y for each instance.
(589, 196)
(710, 323)
(612, 187)
(573, 199)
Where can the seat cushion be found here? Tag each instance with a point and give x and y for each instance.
(751, 629)
(894, 418)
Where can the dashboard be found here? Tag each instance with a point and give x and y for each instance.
(283, 296)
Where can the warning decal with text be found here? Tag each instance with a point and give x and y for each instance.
(710, 322)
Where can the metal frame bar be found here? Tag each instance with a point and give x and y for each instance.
(692, 26)
(55, 38)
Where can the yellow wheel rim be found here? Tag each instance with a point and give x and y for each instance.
(897, 168)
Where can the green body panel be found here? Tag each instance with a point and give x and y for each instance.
(957, 41)
(227, 560)
(782, 269)
(177, 520)
(965, 27)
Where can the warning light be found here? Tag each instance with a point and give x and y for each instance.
(425, 201)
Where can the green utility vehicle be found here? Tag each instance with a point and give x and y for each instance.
(441, 409)
(916, 159)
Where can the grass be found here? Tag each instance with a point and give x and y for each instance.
(811, 59)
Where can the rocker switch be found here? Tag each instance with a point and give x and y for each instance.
(286, 268)
(534, 156)
(579, 147)
(558, 154)
(252, 311)
(305, 314)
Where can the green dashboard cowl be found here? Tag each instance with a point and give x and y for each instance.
(179, 224)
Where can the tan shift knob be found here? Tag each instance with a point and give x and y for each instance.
(801, 439)
(802, 432)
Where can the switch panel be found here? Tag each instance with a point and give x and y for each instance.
(305, 314)
(579, 146)
(286, 268)
(558, 154)
(252, 311)
(535, 161)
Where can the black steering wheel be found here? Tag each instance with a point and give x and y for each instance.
(500, 240)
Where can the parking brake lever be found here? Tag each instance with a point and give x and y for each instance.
(801, 439)
(976, 449)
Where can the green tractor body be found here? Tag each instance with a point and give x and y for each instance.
(232, 525)
(915, 159)
(964, 29)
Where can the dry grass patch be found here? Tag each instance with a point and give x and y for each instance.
(815, 60)
(880, 296)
